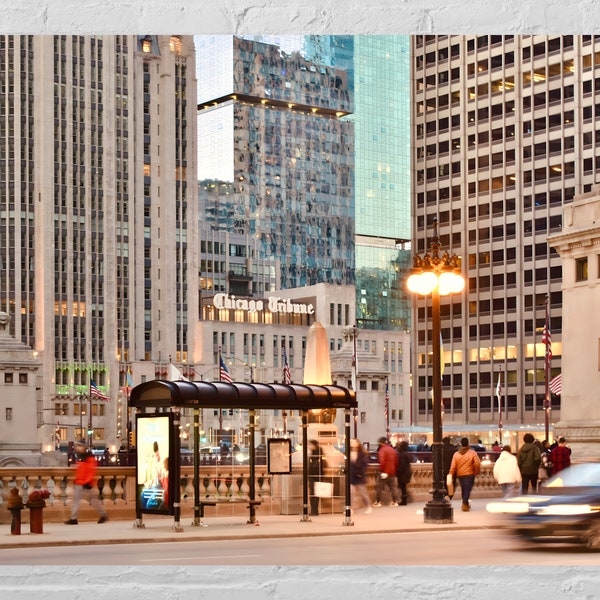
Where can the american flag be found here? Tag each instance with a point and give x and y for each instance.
(95, 391)
(499, 386)
(223, 372)
(287, 376)
(547, 341)
(555, 385)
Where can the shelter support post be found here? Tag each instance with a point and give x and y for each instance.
(252, 457)
(347, 490)
(305, 513)
(176, 488)
(197, 511)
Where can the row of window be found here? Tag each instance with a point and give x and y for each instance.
(489, 404)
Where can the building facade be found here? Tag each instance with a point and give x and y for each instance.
(98, 250)
(256, 334)
(378, 69)
(504, 137)
(578, 245)
(271, 135)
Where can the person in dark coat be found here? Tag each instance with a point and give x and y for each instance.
(448, 451)
(315, 472)
(359, 465)
(529, 458)
(403, 471)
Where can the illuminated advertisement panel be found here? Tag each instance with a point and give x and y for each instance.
(154, 462)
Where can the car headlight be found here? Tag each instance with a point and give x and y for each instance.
(508, 507)
(568, 509)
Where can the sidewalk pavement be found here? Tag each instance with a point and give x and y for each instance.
(386, 519)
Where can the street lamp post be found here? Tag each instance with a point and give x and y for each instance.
(439, 276)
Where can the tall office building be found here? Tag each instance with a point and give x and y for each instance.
(378, 69)
(278, 155)
(504, 135)
(98, 237)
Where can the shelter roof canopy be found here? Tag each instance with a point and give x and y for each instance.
(202, 394)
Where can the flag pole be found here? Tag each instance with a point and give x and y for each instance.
(220, 409)
(547, 358)
(283, 412)
(354, 376)
(499, 394)
(90, 430)
(387, 409)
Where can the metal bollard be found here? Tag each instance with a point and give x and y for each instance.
(36, 504)
(15, 505)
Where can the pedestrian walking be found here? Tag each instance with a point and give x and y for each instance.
(316, 468)
(84, 484)
(560, 457)
(506, 472)
(448, 450)
(403, 471)
(388, 463)
(465, 465)
(529, 458)
(359, 465)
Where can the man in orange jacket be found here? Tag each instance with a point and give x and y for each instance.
(465, 465)
(84, 483)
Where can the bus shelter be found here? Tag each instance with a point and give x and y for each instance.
(157, 403)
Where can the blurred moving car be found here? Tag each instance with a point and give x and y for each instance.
(567, 509)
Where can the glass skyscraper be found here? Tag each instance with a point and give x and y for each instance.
(382, 180)
(272, 133)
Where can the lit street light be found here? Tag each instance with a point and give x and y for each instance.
(439, 276)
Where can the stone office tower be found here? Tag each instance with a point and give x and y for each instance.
(97, 255)
(504, 136)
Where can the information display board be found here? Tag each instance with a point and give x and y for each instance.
(155, 460)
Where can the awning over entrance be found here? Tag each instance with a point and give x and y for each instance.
(203, 394)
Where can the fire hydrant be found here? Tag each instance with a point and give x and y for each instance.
(15, 505)
(35, 504)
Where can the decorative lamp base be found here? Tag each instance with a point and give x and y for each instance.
(438, 512)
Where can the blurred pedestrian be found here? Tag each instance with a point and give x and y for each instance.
(83, 484)
(403, 471)
(359, 465)
(448, 450)
(465, 465)
(316, 463)
(560, 456)
(529, 458)
(388, 463)
(506, 472)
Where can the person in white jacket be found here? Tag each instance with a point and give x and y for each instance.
(507, 472)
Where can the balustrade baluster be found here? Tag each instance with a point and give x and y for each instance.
(119, 491)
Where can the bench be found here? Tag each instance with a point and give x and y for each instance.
(251, 505)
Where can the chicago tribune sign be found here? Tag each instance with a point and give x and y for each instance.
(272, 303)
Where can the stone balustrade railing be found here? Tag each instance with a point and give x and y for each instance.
(116, 488)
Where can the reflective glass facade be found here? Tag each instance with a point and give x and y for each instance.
(293, 157)
(382, 180)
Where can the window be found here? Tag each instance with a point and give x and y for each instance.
(581, 269)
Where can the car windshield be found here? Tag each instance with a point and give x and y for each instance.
(585, 474)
